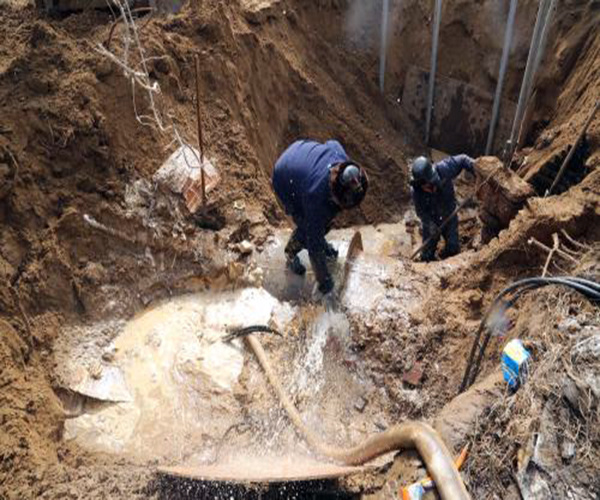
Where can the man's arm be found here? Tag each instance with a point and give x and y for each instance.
(419, 203)
(451, 167)
(316, 244)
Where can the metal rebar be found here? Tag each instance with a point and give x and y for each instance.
(383, 48)
(536, 64)
(200, 135)
(543, 37)
(437, 17)
(525, 85)
(508, 34)
(561, 171)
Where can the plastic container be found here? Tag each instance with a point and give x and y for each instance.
(515, 363)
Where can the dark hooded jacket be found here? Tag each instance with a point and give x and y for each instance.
(301, 182)
(435, 207)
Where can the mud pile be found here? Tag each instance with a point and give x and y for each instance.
(271, 71)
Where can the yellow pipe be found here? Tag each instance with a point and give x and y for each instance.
(408, 435)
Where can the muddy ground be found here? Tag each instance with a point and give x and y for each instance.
(272, 71)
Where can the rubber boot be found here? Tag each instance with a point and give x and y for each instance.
(331, 252)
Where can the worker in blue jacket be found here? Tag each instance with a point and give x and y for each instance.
(314, 182)
(435, 200)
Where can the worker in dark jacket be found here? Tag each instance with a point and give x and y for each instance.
(434, 198)
(314, 182)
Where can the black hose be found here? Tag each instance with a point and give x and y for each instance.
(248, 330)
(587, 282)
(589, 288)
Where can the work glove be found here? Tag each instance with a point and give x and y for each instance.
(471, 167)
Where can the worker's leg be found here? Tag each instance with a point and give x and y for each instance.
(428, 229)
(451, 239)
(330, 251)
(292, 249)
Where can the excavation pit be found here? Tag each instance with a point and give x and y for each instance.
(167, 384)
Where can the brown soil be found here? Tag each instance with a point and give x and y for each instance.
(271, 71)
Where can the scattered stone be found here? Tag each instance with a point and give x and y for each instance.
(109, 356)
(569, 325)
(360, 404)
(245, 247)
(567, 450)
(414, 376)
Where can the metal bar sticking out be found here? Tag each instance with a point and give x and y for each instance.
(437, 16)
(384, 39)
(508, 34)
(543, 38)
(200, 136)
(525, 84)
(536, 64)
(573, 148)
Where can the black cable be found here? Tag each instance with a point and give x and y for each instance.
(249, 330)
(587, 282)
(589, 288)
(529, 283)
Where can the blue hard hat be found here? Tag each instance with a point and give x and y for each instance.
(424, 172)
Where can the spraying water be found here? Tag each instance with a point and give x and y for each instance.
(329, 325)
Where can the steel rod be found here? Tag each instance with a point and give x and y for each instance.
(437, 17)
(536, 64)
(383, 48)
(200, 135)
(533, 48)
(574, 148)
(508, 34)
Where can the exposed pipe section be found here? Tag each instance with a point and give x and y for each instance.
(409, 435)
(530, 68)
(437, 17)
(508, 34)
(383, 48)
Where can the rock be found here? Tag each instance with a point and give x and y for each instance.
(567, 450)
(501, 197)
(360, 404)
(109, 356)
(245, 247)
(414, 376)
